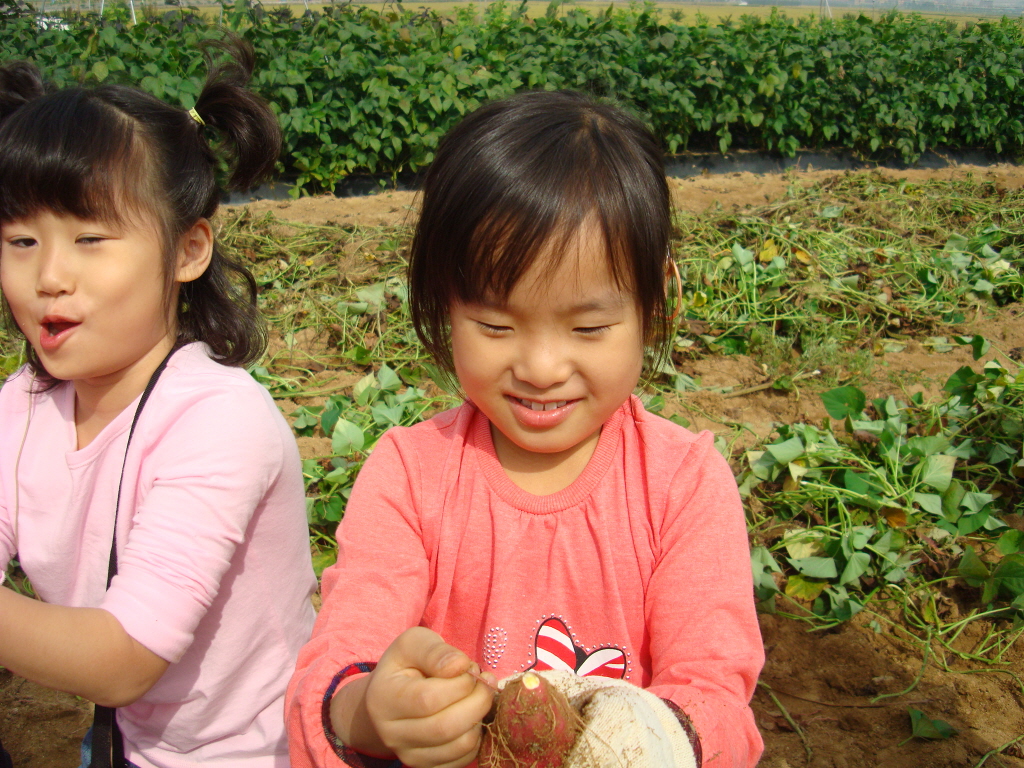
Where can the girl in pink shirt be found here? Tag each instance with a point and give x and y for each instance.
(149, 487)
(550, 523)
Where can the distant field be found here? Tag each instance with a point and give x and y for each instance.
(689, 11)
(677, 11)
(683, 12)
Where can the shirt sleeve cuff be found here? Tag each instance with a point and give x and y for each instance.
(691, 732)
(348, 755)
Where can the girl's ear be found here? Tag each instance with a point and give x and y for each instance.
(195, 249)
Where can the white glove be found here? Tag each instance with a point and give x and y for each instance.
(624, 726)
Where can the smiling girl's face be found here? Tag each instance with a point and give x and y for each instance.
(549, 365)
(89, 296)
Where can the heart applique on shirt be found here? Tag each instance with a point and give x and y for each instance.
(556, 649)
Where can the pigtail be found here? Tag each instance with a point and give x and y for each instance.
(20, 83)
(250, 134)
(219, 308)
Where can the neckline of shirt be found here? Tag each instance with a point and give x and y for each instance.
(116, 429)
(574, 493)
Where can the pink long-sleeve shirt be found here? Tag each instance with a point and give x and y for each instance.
(639, 569)
(214, 571)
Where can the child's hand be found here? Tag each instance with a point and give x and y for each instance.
(424, 703)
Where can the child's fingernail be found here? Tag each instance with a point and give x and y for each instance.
(448, 658)
(484, 677)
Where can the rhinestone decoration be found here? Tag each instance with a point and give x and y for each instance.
(494, 645)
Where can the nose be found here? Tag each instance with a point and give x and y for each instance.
(542, 362)
(54, 275)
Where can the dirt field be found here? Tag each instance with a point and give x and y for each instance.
(823, 683)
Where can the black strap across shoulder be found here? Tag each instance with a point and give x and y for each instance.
(107, 744)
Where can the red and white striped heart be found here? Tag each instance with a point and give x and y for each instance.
(555, 649)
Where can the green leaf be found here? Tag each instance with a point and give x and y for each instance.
(925, 728)
(761, 560)
(320, 512)
(763, 565)
(929, 502)
(804, 589)
(347, 438)
(787, 451)
(1011, 542)
(1001, 452)
(844, 401)
(863, 485)
(372, 295)
(979, 344)
(353, 307)
(964, 383)
(742, 255)
(802, 543)
(937, 471)
(306, 419)
(359, 355)
(844, 607)
(860, 536)
(951, 499)
(387, 415)
(324, 560)
(815, 567)
(330, 415)
(975, 501)
(1009, 575)
(885, 543)
(924, 446)
(389, 380)
(972, 568)
(365, 389)
(856, 567)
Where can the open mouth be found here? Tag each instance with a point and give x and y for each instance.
(533, 405)
(53, 329)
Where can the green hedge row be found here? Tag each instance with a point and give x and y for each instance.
(364, 90)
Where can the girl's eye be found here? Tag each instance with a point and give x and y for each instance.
(89, 239)
(494, 330)
(593, 330)
(22, 242)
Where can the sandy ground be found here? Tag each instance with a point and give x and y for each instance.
(732, 191)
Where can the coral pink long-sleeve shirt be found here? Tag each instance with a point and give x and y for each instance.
(214, 571)
(639, 569)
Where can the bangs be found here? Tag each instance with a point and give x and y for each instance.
(504, 248)
(516, 211)
(71, 154)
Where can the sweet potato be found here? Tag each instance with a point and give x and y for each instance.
(534, 726)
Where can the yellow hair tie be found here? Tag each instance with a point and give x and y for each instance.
(195, 116)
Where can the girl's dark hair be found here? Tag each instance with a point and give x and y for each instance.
(118, 154)
(516, 179)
